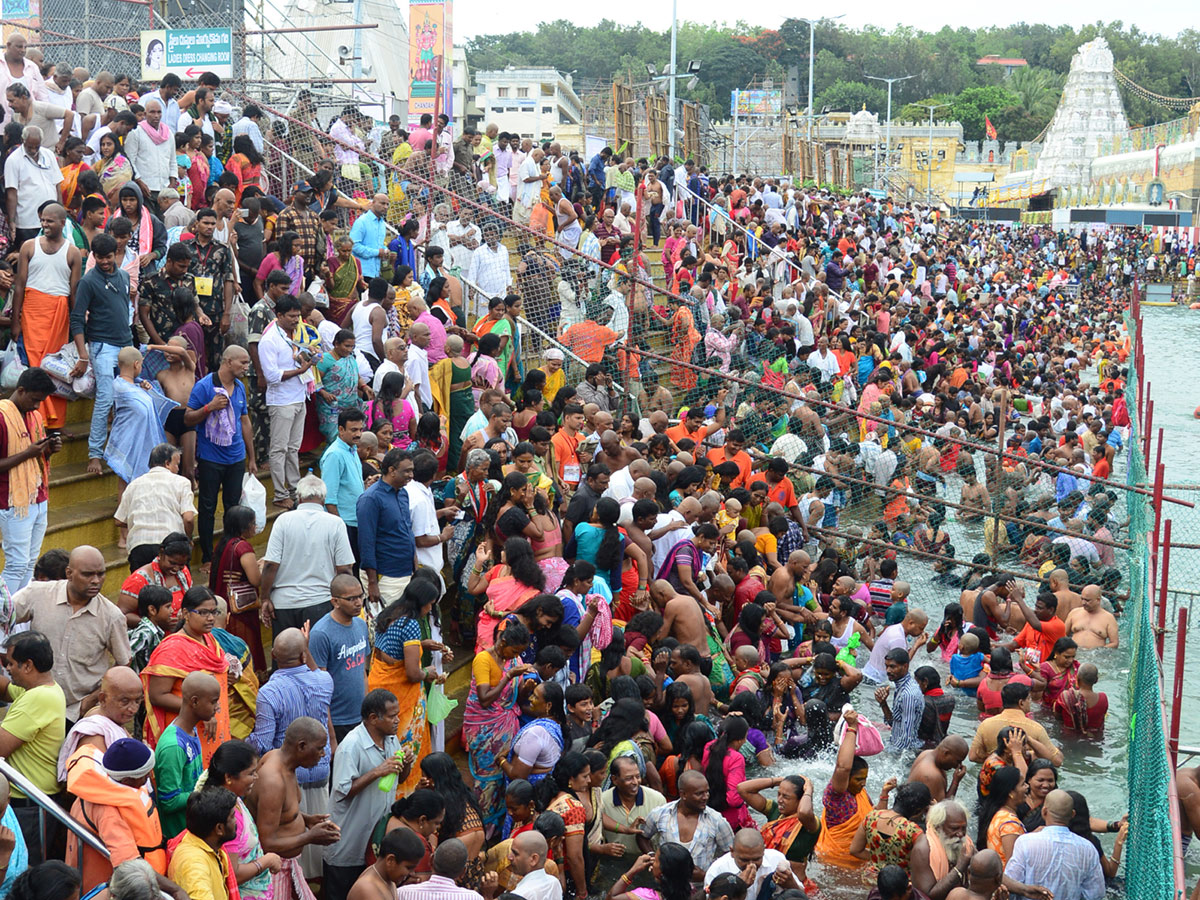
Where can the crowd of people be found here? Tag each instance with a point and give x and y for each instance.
(663, 588)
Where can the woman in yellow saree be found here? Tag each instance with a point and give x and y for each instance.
(191, 649)
(396, 666)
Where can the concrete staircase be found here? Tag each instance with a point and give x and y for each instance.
(82, 505)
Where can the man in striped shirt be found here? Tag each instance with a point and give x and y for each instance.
(909, 702)
(449, 864)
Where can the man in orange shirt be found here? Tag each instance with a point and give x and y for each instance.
(566, 443)
(692, 425)
(733, 451)
(780, 488)
(1042, 628)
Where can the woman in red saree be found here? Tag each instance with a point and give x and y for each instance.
(191, 649)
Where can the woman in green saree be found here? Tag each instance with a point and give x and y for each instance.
(346, 282)
(340, 384)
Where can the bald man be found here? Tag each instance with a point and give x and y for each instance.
(527, 856)
(689, 821)
(932, 766)
(39, 308)
(118, 701)
(985, 874)
(370, 237)
(178, 760)
(683, 619)
(753, 863)
(1054, 859)
(296, 690)
(275, 801)
(85, 628)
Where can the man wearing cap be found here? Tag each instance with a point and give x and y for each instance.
(174, 213)
(114, 801)
(297, 217)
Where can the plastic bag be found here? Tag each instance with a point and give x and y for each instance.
(868, 741)
(438, 706)
(11, 371)
(254, 495)
(239, 322)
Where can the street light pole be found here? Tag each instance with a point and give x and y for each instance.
(929, 184)
(671, 90)
(887, 153)
(812, 42)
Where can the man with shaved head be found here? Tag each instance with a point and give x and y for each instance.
(85, 629)
(41, 299)
(1063, 864)
(527, 856)
(754, 863)
(689, 821)
(276, 801)
(293, 692)
(178, 761)
(338, 645)
(931, 767)
(117, 703)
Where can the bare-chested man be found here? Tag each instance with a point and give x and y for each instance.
(785, 583)
(974, 495)
(682, 617)
(616, 457)
(931, 766)
(1187, 782)
(1090, 625)
(400, 851)
(177, 381)
(275, 803)
(1068, 600)
(686, 667)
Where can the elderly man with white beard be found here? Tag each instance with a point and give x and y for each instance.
(941, 855)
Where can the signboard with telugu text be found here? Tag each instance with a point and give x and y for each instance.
(187, 52)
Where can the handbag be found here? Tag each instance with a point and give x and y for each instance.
(240, 595)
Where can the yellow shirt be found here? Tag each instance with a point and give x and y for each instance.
(199, 869)
(38, 718)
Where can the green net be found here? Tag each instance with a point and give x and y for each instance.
(1150, 848)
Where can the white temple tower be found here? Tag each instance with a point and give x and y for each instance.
(1090, 109)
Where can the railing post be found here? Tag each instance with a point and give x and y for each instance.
(1164, 579)
(1177, 686)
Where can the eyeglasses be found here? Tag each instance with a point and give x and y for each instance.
(358, 596)
(207, 613)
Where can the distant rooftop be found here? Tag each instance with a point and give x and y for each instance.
(993, 60)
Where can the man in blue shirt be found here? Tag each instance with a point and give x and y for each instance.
(338, 644)
(224, 444)
(387, 549)
(341, 470)
(370, 237)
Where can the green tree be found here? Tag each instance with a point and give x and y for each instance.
(851, 96)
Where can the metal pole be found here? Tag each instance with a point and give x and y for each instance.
(1177, 686)
(929, 162)
(1160, 634)
(671, 89)
(736, 95)
(356, 69)
(812, 42)
(998, 469)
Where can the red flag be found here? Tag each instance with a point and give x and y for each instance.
(989, 128)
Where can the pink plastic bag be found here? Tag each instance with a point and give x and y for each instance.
(868, 741)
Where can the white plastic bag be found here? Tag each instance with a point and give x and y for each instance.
(11, 371)
(239, 322)
(254, 495)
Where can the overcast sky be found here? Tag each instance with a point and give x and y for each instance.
(475, 17)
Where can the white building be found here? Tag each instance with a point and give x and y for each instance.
(465, 110)
(531, 102)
